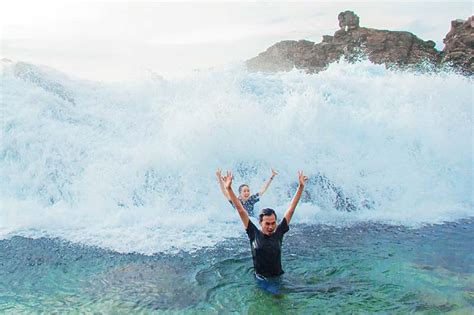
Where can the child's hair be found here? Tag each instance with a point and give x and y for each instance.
(264, 212)
(241, 187)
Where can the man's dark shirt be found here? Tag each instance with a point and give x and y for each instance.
(266, 249)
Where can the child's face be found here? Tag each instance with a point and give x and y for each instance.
(245, 192)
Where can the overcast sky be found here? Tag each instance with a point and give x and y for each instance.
(118, 40)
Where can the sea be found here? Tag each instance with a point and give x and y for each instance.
(109, 202)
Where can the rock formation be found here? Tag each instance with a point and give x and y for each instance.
(459, 46)
(392, 48)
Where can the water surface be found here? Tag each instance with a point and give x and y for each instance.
(363, 268)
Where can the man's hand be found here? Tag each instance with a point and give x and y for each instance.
(227, 180)
(220, 179)
(301, 178)
(244, 216)
(296, 198)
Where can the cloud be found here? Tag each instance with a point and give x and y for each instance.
(165, 35)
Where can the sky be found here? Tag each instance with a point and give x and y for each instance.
(122, 40)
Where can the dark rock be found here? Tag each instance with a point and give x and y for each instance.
(459, 46)
(326, 194)
(348, 20)
(392, 48)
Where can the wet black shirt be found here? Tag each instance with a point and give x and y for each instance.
(266, 249)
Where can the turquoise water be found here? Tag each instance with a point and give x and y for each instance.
(109, 201)
(359, 269)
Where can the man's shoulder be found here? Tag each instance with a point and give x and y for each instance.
(283, 221)
(283, 226)
(251, 225)
(252, 230)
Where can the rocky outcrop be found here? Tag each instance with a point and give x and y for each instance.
(392, 48)
(459, 46)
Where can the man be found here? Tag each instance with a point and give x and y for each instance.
(266, 242)
(248, 201)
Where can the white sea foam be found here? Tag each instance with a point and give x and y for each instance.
(131, 166)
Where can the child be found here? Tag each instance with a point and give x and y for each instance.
(248, 201)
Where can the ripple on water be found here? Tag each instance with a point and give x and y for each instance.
(366, 268)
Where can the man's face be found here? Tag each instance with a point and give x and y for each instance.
(245, 193)
(268, 224)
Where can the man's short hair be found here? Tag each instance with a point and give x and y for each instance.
(241, 187)
(266, 212)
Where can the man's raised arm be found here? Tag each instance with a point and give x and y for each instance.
(221, 183)
(244, 216)
(296, 198)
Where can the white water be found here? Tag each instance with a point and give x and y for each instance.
(131, 166)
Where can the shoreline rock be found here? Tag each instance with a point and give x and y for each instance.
(459, 46)
(395, 49)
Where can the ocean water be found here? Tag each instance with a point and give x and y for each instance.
(109, 201)
(364, 268)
